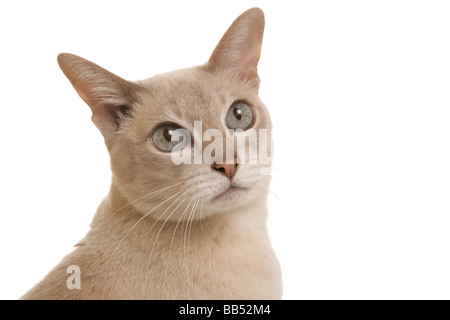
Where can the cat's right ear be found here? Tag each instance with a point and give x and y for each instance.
(109, 96)
(240, 47)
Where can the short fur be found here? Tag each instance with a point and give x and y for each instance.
(169, 231)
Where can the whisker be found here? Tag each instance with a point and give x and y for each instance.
(146, 197)
(162, 214)
(190, 228)
(173, 235)
(273, 193)
(161, 228)
(201, 215)
(281, 182)
(142, 218)
(184, 239)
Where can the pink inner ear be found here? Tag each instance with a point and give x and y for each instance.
(240, 47)
(103, 91)
(104, 122)
(108, 117)
(103, 115)
(249, 61)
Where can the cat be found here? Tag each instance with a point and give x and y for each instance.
(165, 230)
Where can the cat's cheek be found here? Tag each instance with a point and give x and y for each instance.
(150, 159)
(122, 164)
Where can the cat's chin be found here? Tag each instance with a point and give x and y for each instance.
(232, 194)
(232, 198)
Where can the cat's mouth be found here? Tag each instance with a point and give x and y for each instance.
(229, 194)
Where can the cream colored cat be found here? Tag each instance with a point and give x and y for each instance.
(166, 230)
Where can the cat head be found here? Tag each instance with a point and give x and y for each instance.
(139, 121)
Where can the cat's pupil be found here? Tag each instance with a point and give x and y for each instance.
(237, 113)
(168, 134)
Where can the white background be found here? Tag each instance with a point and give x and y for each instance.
(359, 93)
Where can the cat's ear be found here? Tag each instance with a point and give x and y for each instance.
(109, 96)
(240, 47)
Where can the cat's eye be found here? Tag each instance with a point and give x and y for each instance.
(164, 139)
(239, 116)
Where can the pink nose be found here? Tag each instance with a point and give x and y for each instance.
(229, 170)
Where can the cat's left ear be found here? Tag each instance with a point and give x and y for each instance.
(109, 96)
(240, 47)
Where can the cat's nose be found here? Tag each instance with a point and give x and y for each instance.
(229, 170)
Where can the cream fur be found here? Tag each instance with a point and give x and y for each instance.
(162, 233)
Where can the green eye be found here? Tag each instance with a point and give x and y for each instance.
(162, 137)
(239, 116)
